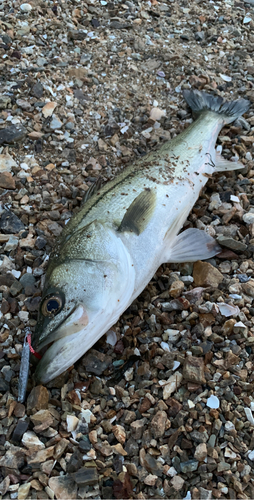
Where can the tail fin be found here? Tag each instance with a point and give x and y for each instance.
(201, 101)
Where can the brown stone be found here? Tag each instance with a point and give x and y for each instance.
(19, 410)
(158, 424)
(63, 487)
(145, 405)
(7, 181)
(37, 399)
(193, 370)
(205, 274)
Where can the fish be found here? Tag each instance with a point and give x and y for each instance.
(109, 251)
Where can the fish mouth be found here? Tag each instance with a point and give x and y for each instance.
(60, 349)
(76, 320)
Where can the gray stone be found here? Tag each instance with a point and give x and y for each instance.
(95, 362)
(12, 134)
(189, 466)
(27, 280)
(37, 90)
(10, 223)
(4, 101)
(236, 246)
(55, 123)
(86, 476)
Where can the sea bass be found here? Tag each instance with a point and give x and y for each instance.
(110, 250)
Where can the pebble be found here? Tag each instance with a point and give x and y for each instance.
(193, 370)
(7, 181)
(55, 123)
(201, 452)
(30, 440)
(172, 383)
(7, 163)
(213, 402)
(189, 466)
(12, 134)
(63, 487)
(237, 246)
(249, 218)
(23, 491)
(26, 7)
(205, 274)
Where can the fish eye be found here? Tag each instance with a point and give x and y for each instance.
(52, 305)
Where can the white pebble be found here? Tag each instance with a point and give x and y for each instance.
(248, 218)
(226, 78)
(191, 404)
(251, 454)
(16, 274)
(165, 346)
(213, 402)
(111, 337)
(234, 198)
(176, 365)
(248, 156)
(228, 310)
(229, 426)
(26, 7)
(249, 415)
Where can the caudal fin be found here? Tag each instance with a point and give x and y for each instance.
(201, 101)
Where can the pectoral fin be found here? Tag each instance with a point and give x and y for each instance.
(192, 245)
(222, 165)
(139, 212)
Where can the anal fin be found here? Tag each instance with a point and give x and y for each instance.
(222, 165)
(192, 245)
(139, 212)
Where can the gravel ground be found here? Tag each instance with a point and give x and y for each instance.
(162, 406)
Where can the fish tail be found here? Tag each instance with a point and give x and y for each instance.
(201, 101)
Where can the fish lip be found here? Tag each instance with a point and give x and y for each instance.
(47, 340)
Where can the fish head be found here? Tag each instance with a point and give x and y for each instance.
(79, 304)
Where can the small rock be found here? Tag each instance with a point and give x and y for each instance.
(37, 399)
(23, 491)
(213, 402)
(63, 487)
(150, 480)
(158, 424)
(189, 466)
(26, 7)
(72, 423)
(7, 181)
(156, 114)
(55, 123)
(201, 452)
(177, 482)
(172, 384)
(10, 223)
(193, 370)
(75, 462)
(4, 485)
(96, 362)
(19, 430)
(176, 288)
(86, 476)
(37, 90)
(119, 433)
(12, 134)
(237, 246)
(4, 101)
(205, 274)
(6, 163)
(48, 109)
(30, 440)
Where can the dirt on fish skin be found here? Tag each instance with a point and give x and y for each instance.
(110, 124)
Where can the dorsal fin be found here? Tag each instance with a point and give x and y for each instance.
(92, 190)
